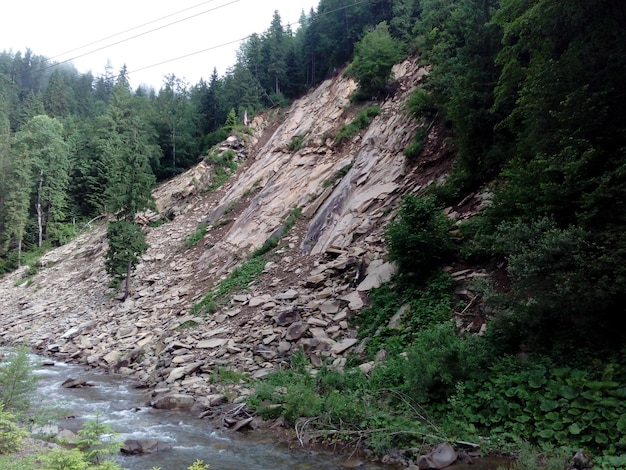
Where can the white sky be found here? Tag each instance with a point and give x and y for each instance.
(58, 28)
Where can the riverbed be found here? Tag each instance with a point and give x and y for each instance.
(116, 402)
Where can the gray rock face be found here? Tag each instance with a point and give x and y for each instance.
(305, 298)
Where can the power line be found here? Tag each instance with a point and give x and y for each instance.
(241, 39)
(136, 36)
(131, 29)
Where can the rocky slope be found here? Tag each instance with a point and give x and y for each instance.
(314, 282)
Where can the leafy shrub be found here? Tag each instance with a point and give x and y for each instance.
(11, 435)
(224, 165)
(421, 104)
(374, 56)
(424, 307)
(17, 381)
(419, 238)
(64, 459)
(566, 289)
(549, 406)
(97, 441)
(434, 363)
(296, 143)
(414, 149)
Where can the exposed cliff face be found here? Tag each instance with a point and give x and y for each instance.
(307, 292)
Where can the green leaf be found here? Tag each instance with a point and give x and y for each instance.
(621, 423)
(574, 428)
(548, 405)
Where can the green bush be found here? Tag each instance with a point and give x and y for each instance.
(17, 381)
(11, 434)
(423, 307)
(374, 56)
(419, 237)
(436, 361)
(549, 406)
(97, 441)
(296, 143)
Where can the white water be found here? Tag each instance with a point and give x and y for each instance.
(125, 409)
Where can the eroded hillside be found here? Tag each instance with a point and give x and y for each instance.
(311, 284)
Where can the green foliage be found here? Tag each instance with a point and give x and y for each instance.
(238, 281)
(199, 465)
(126, 243)
(231, 121)
(547, 405)
(419, 238)
(12, 462)
(11, 434)
(17, 381)
(435, 362)
(193, 238)
(414, 149)
(64, 459)
(296, 143)
(374, 56)
(553, 266)
(227, 375)
(224, 165)
(97, 441)
(361, 121)
(422, 308)
(421, 104)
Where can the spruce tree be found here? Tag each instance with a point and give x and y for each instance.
(128, 149)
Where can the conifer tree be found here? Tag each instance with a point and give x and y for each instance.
(129, 149)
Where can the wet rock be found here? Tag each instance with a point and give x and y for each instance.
(440, 457)
(174, 401)
(76, 383)
(144, 446)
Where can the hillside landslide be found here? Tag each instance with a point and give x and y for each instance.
(315, 281)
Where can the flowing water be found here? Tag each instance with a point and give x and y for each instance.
(124, 408)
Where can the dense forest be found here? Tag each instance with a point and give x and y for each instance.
(533, 94)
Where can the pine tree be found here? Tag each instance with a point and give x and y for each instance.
(129, 148)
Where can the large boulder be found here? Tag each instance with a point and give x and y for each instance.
(173, 401)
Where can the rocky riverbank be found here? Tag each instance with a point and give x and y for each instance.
(311, 286)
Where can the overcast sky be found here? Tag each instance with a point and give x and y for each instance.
(76, 29)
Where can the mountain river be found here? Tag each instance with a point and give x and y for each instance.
(117, 403)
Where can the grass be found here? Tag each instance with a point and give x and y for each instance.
(193, 238)
(238, 281)
(361, 121)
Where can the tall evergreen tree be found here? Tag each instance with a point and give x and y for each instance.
(129, 149)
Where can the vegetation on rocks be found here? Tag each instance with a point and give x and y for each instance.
(531, 96)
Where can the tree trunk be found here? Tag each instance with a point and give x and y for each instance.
(127, 283)
(39, 210)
